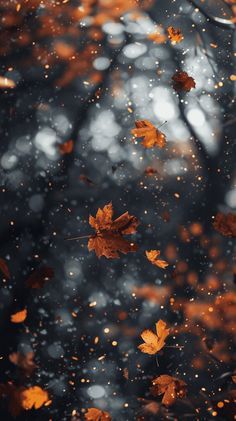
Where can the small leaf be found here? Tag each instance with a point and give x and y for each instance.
(152, 257)
(4, 268)
(19, 317)
(183, 82)
(150, 134)
(154, 342)
(95, 414)
(175, 35)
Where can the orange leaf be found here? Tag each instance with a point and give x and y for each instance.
(151, 136)
(152, 257)
(225, 224)
(19, 317)
(183, 82)
(171, 387)
(108, 240)
(175, 35)
(154, 342)
(67, 147)
(39, 277)
(95, 414)
(34, 397)
(4, 268)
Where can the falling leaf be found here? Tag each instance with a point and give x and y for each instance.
(154, 342)
(151, 136)
(66, 147)
(40, 277)
(109, 241)
(95, 414)
(34, 397)
(19, 317)
(6, 83)
(4, 268)
(152, 293)
(225, 224)
(152, 257)
(23, 361)
(175, 35)
(183, 82)
(171, 387)
(157, 37)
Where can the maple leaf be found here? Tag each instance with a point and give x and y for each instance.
(19, 317)
(175, 35)
(66, 147)
(109, 241)
(225, 224)
(171, 387)
(34, 397)
(152, 257)
(151, 135)
(4, 268)
(39, 277)
(95, 414)
(183, 82)
(23, 361)
(154, 342)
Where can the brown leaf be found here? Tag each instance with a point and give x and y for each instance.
(152, 257)
(109, 241)
(66, 147)
(4, 268)
(175, 35)
(40, 277)
(95, 414)
(150, 134)
(157, 37)
(86, 180)
(154, 342)
(225, 224)
(183, 82)
(150, 171)
(13, 394)
(171, 387)
(23, 361)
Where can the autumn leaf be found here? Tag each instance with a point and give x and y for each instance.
(175, 35)
(66, 147)
(4, 268)
(95, 414)
(154, 342)
(225, 224)
(151, 136)
(157, 37)
(183, 82)
(19, 317)
(34, 397)
(23, 361)
(86, 180)
(171, 387)
(152, 256)
(39, 277)
(152, 293)
(108, 240)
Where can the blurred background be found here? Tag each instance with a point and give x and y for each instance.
(75, 75)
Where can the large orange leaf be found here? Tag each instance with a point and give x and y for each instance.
(34, 397)
(95, 414)
(150, 134)
(154, 342)
(171, 387)
(108, 240)
(152, 256)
